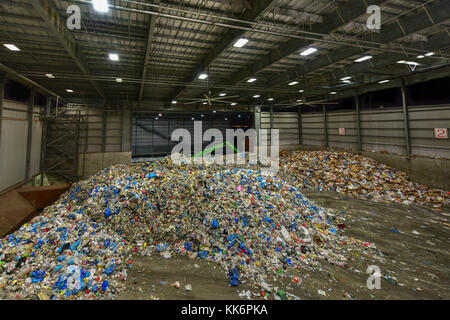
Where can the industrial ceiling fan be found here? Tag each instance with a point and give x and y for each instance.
(209, 98)
(304, 102)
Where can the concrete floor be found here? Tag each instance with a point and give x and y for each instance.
(417, 256)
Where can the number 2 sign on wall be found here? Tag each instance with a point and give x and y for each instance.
(441, 133)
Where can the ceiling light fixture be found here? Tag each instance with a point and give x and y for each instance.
(49, 75)
(384, 81)
(256, 96)
(251, 80)
(119, 80)
(420, 57)
(270, 99)
(240, 43)
(293, 83)
(411, 63)
(222, 94)
(203, 76)
(113, 57)
(234, 103)
(429, 54)
(334, 92)
(363, 58)
(301, 91)
(346, 78)
(69, 90)
(309, 51)
(11, 47)
(100, 5)
(174, 102)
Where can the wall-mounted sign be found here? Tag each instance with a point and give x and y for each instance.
(342, 131)
(441, 133)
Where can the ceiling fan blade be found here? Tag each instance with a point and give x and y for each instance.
(194, 102)
(226, 97)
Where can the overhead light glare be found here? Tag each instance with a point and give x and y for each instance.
(256, 96)
(69, 90)
(119, 80)
(334, 92)
(309, 51)
(420, 57)
(233, 104)
(429, 54)
(113, 57)
(240, 43)
(174, 102)
(100, 5)
(49, 75)
(203, 76)
(384, 81)
(270, 99)
(363, 58)
(11, 47)
(293, 83)
(301, 91)
(251, 80)
(346, 78)
(222, 94)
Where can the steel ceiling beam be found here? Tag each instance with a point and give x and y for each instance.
(57, 26)
(403, 27)
(418, 77)
(332, 21)
(260, 8)
(151, 32)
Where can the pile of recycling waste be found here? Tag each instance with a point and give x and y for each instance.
(255, 226)
(357, 176)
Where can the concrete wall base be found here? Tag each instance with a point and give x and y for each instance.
(91, 163)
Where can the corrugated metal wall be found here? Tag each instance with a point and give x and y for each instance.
(101, 131)
(152, 138)
(13, 144)
(381, 129)
(286, 122)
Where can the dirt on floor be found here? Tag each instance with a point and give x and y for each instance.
(414, 241)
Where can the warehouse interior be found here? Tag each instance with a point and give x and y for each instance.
(93, 90)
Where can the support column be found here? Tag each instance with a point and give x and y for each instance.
(2, 100)
(104, 132)
(300, 125)
(257, 118)
(30, 134)
(406, 120)
(358, 123)
(49, 105)
(271, 123)
(325, 125)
